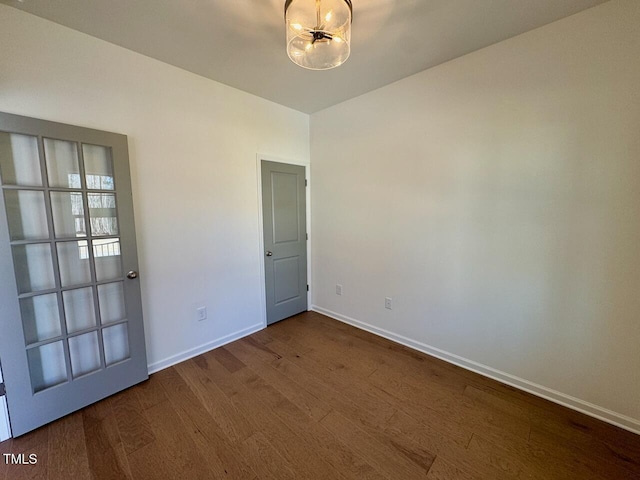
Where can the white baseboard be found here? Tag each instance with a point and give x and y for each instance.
(5, 431)
(193, 352)
(587, 408)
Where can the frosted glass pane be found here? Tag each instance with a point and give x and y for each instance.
(106, 254)
(98, 167)
(102, 213)
(19, 161)
(26, 215)
(73, 259)
(62, 163)
(40, 318)
(111, 300)
(116, 343)
(85, 355)
(46, 366)
(33, 267)
(68, 214)
(78, 309)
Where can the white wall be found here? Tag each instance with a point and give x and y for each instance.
(193, 145)
(495, 198)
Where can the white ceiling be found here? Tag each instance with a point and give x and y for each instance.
(241, 42)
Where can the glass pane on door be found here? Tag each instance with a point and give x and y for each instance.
(111, 300)
(102, 214)
(33, 267)
(47, 366)
(79, 309)
(73, 260)
(40, 318)
(62, 163)
(19, 160)
(98, 167)
(116, 343)
(85, 354)
(26, 214)
(67, 209)
(107, 258)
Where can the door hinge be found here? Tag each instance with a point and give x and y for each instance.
(307, 287)
(3, 391)
(307, 236)
(306, 182)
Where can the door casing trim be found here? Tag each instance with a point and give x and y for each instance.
(5, 426)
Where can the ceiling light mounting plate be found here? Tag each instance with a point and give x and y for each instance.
(288, 2)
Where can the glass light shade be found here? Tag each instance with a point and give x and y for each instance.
(318, 32)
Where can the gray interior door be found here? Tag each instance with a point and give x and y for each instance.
(285, 239)
(71, 315)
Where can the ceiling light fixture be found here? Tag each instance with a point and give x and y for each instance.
(318, 32)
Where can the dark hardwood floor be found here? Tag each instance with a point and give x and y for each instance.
(313, 398)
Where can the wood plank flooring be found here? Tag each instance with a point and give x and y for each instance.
(312, 398)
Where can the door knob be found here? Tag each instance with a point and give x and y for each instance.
(269, 254)
(132, 274)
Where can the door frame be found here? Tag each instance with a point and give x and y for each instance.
(307, 175)
(5, 426)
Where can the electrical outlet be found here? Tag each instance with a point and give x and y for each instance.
(202, 313)
(338, 289)
(388, 303)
